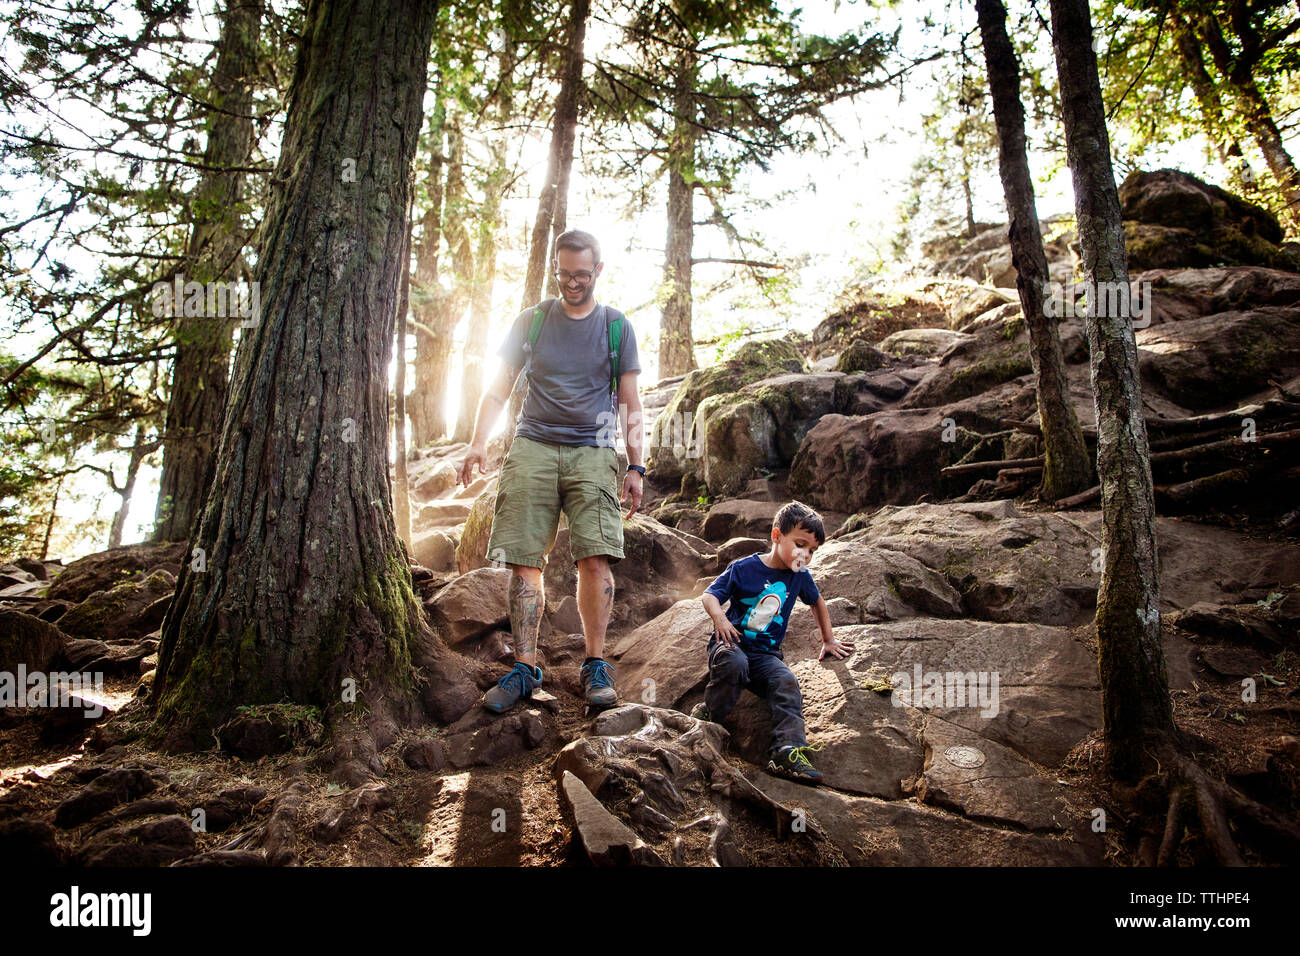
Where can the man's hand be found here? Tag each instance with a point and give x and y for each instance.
(477, 454)
(728, 636)
(632, 491)
(836, 648)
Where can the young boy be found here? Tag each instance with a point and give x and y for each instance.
(745, 649)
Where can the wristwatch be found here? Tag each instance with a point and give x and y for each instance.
(639, 469)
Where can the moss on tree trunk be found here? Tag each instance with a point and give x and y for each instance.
(302, 585)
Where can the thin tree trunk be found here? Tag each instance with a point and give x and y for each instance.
(676, 347)
(485, 257)
(302, 593)
(1067, 469)
(200, 371)
(1135, 690)
(49, 525)
(455, 214)
(429, 306)
(139, 451)
(553, 201)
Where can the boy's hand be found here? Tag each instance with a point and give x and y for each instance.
(837, 648)
(728, 636)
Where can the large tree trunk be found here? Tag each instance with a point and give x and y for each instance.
(200, 371)
(302, 592)
(1135, 691)
(552, 204)
(676, 345)
(430, 306)
(1066, 467)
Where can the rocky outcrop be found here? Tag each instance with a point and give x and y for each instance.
(1172, 219)
(1215, 360)
(107, 569)
(671, 438)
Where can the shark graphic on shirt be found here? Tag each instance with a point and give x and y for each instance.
(763, 609)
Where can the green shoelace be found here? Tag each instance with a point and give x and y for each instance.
(797, 754)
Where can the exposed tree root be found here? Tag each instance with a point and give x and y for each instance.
(1196, 801)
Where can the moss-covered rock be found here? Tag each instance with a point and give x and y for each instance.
(861, 357)
(739, 436)
(106, 569)
(125, 611)
(29, 641)
(671, 452)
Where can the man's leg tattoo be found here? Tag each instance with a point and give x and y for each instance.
(526, 602)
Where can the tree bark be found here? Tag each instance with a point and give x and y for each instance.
(140, 449)
(401, 487)
(552, 204)
(485, 257)
(1135, 690)
(676, 348)
(1067, 469)
(301, 592)
(462, 255)
(200, 371)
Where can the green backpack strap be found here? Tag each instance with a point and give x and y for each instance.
(615, 349)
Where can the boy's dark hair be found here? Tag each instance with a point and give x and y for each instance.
(797, 514)
(576, 240)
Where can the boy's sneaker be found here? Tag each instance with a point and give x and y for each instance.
(598, 684)
(700, 712)
(514, 687)
(793, 764)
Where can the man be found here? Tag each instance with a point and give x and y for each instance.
(563, 458)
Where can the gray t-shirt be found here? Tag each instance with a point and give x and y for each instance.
(569, 401)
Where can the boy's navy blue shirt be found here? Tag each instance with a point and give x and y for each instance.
(762, 599)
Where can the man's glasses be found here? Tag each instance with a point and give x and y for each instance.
(564, 278)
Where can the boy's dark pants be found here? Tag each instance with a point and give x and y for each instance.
(732, 669)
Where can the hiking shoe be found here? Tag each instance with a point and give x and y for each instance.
(700, 712)
(793, 764)
(514, 687)
(598, 684)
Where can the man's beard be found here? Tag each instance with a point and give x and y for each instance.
(587, 295)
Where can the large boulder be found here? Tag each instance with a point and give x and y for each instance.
(671, 440)
(848, 463)
(874, 832)
(128, 610)
(471, 605)
(106, 569)
(883, 585)
(1179, 294)
(874, 317)
(1173, 219)
(28, 641)
(664, 659)
(925, 342)
(1007, 565)
(1213, 361)
(659, 562)
(994, 354)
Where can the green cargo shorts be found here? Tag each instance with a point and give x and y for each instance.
(538, 480)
